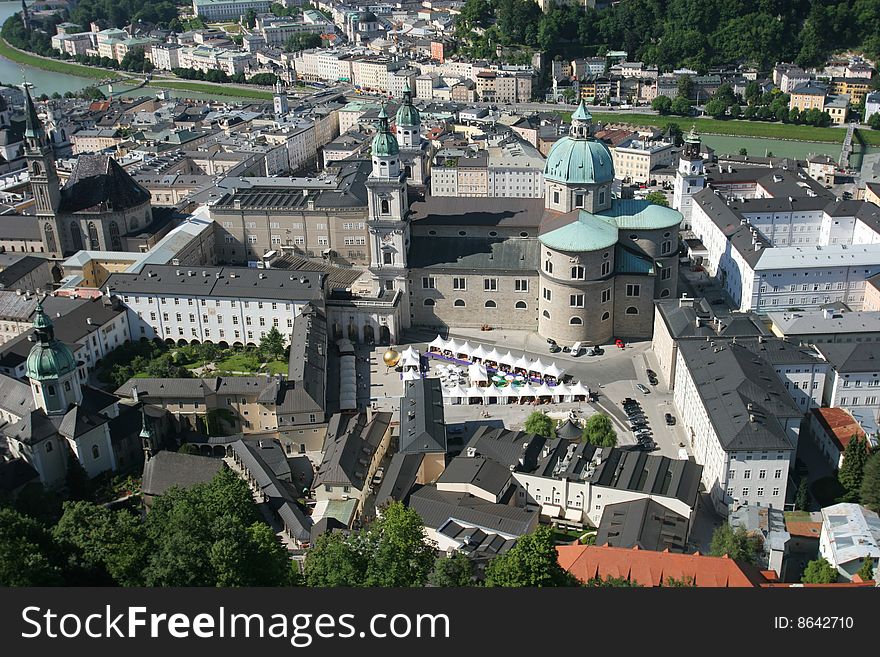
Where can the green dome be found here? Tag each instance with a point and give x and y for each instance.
(384, 143)
(49, 358)
(574, 161)
(408, 115)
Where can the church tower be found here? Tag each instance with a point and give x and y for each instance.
(148, 436)
(52, 369)
(408, 127)
(690, 177)
(45, 185)
(387, 212)
(279, 101)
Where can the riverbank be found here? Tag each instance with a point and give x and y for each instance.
(209, 88)
(738, 128)
(53, 65)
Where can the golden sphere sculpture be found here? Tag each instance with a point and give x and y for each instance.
(390, 357)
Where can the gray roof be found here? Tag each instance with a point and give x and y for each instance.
(400, 477)
(848, 357)
(306, 386)
(20, 267)
(477, 543)
(97, 182)
(437, 507)
(770, 523)
(681, 315)
(19, 227)
(167, 469)
(477, 471)
(507, 447)
(15, 473)
(643, 523)
(648, 473)
(16, 397)
(349, 447)
(731, 380)
(468, 211)
(474, 253)
(422, 428)
(237, 282)
(810, 323)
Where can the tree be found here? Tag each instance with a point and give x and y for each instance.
(870, 492)
(106, 544)
(716, 108)
(272, 344)
(79, 486)
(29, 556)
(333, 561)
(188, 448)
(855, 456)
(866, 572)
(736, 543)
(819, 571)
(685, 582)
(874, 121)
(531, 562)
(685, 87)
(304, 41)
(657, 198)
(661, 104)
(455, 570)
(540, 424)
(743, 152)
(681, 106)
(400, 555)
(599, 431)
(802, 499)
(611, 582)
(250, 19)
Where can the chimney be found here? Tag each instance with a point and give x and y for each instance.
(134, 394)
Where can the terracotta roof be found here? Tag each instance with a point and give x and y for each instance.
(653, 568)
(839, 425)
(803, 528)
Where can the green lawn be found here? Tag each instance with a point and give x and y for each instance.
(797, 516)
(212, 89)
(20, 57)
(240, 361)
(276, 367)
(737, 128)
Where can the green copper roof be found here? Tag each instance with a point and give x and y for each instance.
(384, 143)
(589, 232)
(407, 114)
(638, 214)
(579, 161)
(49, 358)
(581, 113)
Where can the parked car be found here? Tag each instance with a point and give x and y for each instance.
(377, 478)
(595, 351)
(576, 349)
(653, 380)
(643, 388)
(619, 343)
(555, 348)
(651, 374)
(551, 341)
(670, 419)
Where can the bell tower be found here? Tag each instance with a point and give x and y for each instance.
(413, 155)
(387, 211)
(51, 369)
(690, 178)
(44, 181)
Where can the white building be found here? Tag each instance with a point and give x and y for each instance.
(850, 534)
(221, 305)
(741, 424)
(690, 177)
(217, 10)
(636, 159)
(854, 381)
(516, 169)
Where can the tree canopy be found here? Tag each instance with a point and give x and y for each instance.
(540, 424)
(736, 543)
(599, 431)
(819, 571)
(657, 198)
(870, 492)
(531, 562)
(852, 470)
(449, 571)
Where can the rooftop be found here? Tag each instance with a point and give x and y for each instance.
(853, 532)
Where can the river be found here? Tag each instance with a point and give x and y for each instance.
(48, 82)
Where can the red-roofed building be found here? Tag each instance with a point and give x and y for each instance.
(655, 568)
(832, 429)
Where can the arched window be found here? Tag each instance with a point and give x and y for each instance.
(50, 238)
(115, 241)
(632, 310)
(430, 302)
(407, 171)
(521, 305)
(606, 316)
(664, 294)
(76, 237)
(491, 304)
(384, 207)
(546, 314)
(606, 268)
(51, 390)
(95, 452)
(548, 266)
(458, 303)
(37, 169)
(575, 321)
(94, 244)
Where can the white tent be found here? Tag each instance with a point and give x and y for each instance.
(552, 370)
(478, 352)
(409, 359)
(456, 392)
(544, 390)
(475, 392)
(504, 392)
(537, 366)
(491, 393)
(526, 391)
(411, 375)
(437, 343)
(452, 346)
(465, 349)
(508, 359)
(580, 390)
(493, 355)
(477, 373)
(522, 363)
(562, 391)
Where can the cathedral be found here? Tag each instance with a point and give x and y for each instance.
(69, 419)
(98, 207)
(579, 265)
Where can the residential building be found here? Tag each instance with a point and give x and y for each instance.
(833, 429)
(850, 535)
(826, 325)
(854, 380)
(218, 10)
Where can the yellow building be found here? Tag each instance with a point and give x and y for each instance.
(855, 88)
(810, 95)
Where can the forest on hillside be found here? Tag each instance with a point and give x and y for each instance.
(672, 33)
